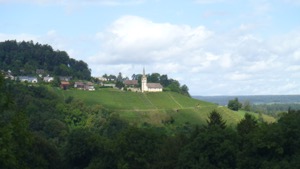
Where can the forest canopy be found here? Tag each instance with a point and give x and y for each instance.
(41, 130)
(25, 58)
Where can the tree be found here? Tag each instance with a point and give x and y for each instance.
(246, 125)
(215, 120)
(174, 86)
(120, 77)
(212, 148)
(133, 77)
(234, 105)
(164, 81)
(154, 78)
(112, 78)
(137, 148)
(185, 90)
(56, 81)
(86, 148)
(247, 105)
(119, 84)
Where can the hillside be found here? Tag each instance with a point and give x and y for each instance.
(155, 108)
(27, 58)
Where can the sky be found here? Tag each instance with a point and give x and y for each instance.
(215, 47)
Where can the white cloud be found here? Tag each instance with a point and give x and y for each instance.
(237, 76)
(209, 63)
(293, 68)
(135, 39)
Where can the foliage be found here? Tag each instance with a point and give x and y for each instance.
(246, 105)
(234, 105)
(276, 109)
(119, 84)
(215, 120)
(39, 129)
(246, 125)
(25, 58)
(137, 147)
(212, 148)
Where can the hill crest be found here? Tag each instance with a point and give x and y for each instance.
(156, 108)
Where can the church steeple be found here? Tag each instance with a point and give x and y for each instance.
(144, 81)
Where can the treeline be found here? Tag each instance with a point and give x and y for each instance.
(40, 130)
(25, 58)
(274, 110)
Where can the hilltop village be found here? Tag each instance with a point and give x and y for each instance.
(35, 63)
(139, 83)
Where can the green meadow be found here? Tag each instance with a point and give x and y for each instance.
(156, 108)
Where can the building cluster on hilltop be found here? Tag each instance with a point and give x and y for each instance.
(131, 85)
(64, 81)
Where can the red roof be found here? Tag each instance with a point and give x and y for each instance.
(65, 83)
(131, 82)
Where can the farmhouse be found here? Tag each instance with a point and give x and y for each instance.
(79, 85)
(131, 83)
(64, 85)
(150, 87)
(84, 86)
(65, 78)
(89, 86)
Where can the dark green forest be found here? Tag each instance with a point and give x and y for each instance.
(25, 58)
(39, 129)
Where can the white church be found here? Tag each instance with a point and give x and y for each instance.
(150, 87)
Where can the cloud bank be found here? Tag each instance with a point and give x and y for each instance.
(209, 63)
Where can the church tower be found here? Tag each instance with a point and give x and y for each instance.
(144, 82)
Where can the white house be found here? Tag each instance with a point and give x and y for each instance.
(102, 79)
(150, 87)
(48, 79)
(29, 79)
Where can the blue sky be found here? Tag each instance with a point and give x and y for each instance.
(215, 47)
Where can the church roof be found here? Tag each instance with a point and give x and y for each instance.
(154, 85)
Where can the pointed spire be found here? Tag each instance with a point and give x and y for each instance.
(144, 71)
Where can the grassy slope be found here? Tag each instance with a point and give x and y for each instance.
(153, 108)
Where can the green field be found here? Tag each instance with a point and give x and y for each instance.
(155, 108)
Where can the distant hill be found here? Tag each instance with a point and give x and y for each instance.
(156, 108)
(27, 58)
(253, 99)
